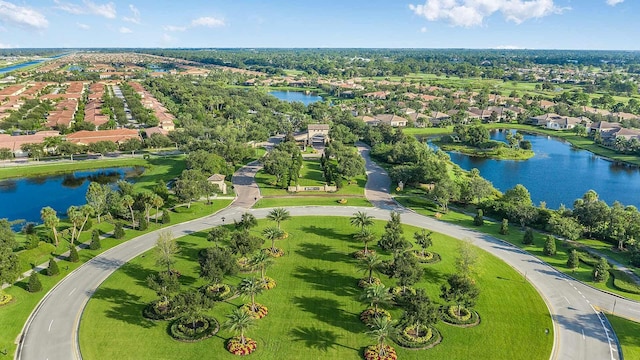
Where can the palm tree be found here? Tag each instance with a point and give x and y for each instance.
(87, 211)
(361, 219)
(50, 219)
(239, 321)
(247, 221)
(261, 261)
(76, 217)
(127, 200)
(366, 236)
(377, 295)
(279, 215)
(157, 201)
(370, 264)
(383, 329)
(250, 287)
(272, 234)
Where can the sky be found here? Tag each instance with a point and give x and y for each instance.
(518, 24)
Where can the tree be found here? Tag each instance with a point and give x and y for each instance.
(260, 261)
(527, 239)
(97, 198)
(549, 246)
(216, 263)
(361, 219)
(566, 227)
(377, 295)
(392, 238)
(166, 250)
(419, 310)
(95, 240)
(51, 220)
(601, 271)
(478, 220)
(34, 284)
(157, 202)
(166, 218)
(250, 287)
(247, 221)
(206, 162)
(369, 264)
(574, 261)
(272, 234)
(53, 268)
(406, 269)
(118, 231)
(239, 321)
(87, 211)
(504, 227)
(423, 238)
(279, 215)
(218, 233)
(128, 201)
(466, 260)
(444, 192)
(190, 186)
(383, 329)
(461, 290)
(165, 284)
(9, 267)
(365, 236)
(76, 217)
(191, 306)
(73, 254)
(243, 243)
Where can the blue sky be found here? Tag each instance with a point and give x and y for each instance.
(531, 24)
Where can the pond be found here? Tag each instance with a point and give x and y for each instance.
(23, 198)
(558, 173)
(291, 96)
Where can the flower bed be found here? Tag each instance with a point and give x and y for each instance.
(158, 310)
(398, 292)
(260, 312)
(243, 265)
(184, 330)
(466, 318)
(364, 282)
(218, 292)
(428, 258)
(373, 353)
(425, 338)
(236, 347)
(5, 299)
(342, 201)
(361, 255)
(268, 283)
(370, 314)
(276, 254)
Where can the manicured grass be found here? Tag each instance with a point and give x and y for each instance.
(502, 153)
(313, 311)
(14, 315)
(310, 200)
(559, 261)
(310, 175)
(627, 332)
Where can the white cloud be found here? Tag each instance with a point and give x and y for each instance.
(136, 15)
(470, 13)
(107, 10)
(614, 2)
(208, 21)
(6, 46)
(83, 26)
(167, 39)
(174, 28)
(423, 29)
(508, 47)
(125, 30)
(21, 16)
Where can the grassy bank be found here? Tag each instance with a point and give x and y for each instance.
(57, 167)
(313, 311)
(499, 153)
(328, 200)
(627, 332)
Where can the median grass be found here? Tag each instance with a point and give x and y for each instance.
(327, 200)
(313, 311)
(14, 315)
(627, 332)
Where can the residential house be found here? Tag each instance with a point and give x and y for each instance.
(117, 136)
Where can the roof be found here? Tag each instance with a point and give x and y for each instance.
(117, 136)
(216, 177)
(318, 127)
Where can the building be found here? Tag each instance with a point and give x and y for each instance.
(117, 136)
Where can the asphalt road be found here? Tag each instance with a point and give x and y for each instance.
(51, 331)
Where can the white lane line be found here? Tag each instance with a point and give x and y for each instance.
(51, 323)
(579, 292)
(567, 300)
(583, 337)
(74, 289)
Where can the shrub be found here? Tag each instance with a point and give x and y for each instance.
(73, 254)
(5, 298)
(504, 227)
(420, 336)
(478, 220)
(95, 240)
(159, 310)
(33, 240)
(574, 261)
(550, 246)
(601, 271)
(142, 224)
(527, 239)
(218, 292)
(182, 329)
(235, 346)
(34, 284)
(368, 315)
(364, 282)
(166, 217)
(88, 225)
(268, 283)
(118, 232)
(260, 312)
(407, 339)
(373, 353)
(53, 268)
(467, 316)
(342, 201)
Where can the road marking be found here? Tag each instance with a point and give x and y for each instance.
(74, 289)
(583, 337)
(567, 300)
(579, 292)
(51, 323)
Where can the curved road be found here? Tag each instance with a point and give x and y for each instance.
(51, 331)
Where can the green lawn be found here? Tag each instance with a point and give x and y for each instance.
(313, 311)
(627, 332)
(310, 200)
(14, 315)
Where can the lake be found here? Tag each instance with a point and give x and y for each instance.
(23, 198)
(558, 173)
(299, 96)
